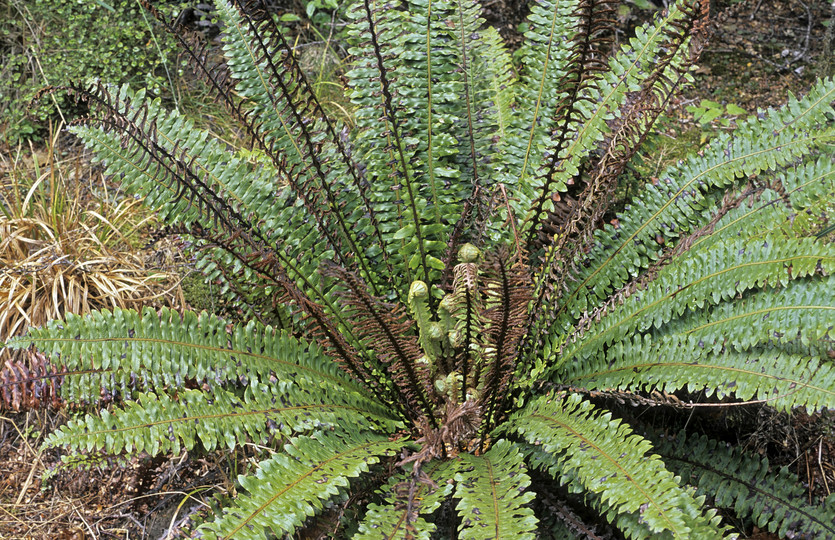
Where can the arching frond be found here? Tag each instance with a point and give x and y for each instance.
(406, 499)
(631, 524)
(491, 489)
(704, 277)
(672, 208)
(159, 423)
(745, 483)
(608, 459)
(123, 350)
(294, 484)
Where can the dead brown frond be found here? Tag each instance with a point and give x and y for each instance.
(386, 330)
(508, 290)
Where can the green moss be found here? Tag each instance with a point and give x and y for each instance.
(200, 294)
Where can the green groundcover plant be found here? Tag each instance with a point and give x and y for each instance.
(49, 41)
(444, 309)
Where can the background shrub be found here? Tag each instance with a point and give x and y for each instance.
(45, 42)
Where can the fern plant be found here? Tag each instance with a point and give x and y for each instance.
(444, 313)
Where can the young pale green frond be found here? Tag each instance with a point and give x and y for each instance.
(125, 350)
(492, 493)
(157, 423)
(293, 485)
(406, 500)
(746, 484)
(607, 459)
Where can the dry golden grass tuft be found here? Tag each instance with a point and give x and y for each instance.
(68, 244)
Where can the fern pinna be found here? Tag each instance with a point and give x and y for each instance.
(449, 308)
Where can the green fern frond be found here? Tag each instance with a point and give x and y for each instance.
(406, 498)
(802, 188)
(492, 495)
(595, 188)
(500, 82)
(293, 485)
(746, 484)
(544, 61)
(781, 379)
(288, 113)
(704, 277)
(125, 350)
(393, 171)
(800, 315)
(631, 524)
(183, 175)
(668, 210)
(607, 459)
(599, 103)
(158, 423)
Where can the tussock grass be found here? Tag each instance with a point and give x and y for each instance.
(69, 243)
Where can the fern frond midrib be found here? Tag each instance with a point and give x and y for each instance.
(430, 158)
(494, 497)
(215, 207)
(540, 91)
(467, 97)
